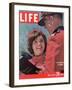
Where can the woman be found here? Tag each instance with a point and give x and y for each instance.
(37, 46)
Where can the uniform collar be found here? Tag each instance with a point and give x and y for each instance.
(58, 29)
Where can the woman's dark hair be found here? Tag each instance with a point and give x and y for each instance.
(32, 36)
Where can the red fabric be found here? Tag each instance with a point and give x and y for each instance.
(37, 60)
(55, 51)
(48, 75)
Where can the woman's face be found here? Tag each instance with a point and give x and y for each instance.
(38, 46)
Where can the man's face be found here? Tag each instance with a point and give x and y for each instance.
(51, 22)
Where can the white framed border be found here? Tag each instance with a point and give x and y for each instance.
(49, 8)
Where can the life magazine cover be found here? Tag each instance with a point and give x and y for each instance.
(41, 44)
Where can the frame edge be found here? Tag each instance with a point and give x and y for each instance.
(11, 44)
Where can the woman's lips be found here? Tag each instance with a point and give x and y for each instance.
(39, 48)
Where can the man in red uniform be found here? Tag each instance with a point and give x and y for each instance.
(55, 46)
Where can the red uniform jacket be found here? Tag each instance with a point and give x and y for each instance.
(55, 52)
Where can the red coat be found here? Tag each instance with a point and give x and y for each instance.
(39, 62)
(55, 52)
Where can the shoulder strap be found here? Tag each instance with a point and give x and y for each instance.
(59, 28)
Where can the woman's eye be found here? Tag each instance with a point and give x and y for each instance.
(35, 41)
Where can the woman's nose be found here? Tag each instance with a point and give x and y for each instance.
(39, 43)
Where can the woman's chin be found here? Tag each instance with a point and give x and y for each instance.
(38, 54)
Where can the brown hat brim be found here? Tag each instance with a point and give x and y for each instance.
(41, 22)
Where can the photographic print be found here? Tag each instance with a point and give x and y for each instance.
(39, 44)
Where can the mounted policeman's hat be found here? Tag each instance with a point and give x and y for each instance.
(45, 14)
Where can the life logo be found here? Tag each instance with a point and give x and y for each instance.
(28, 17)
